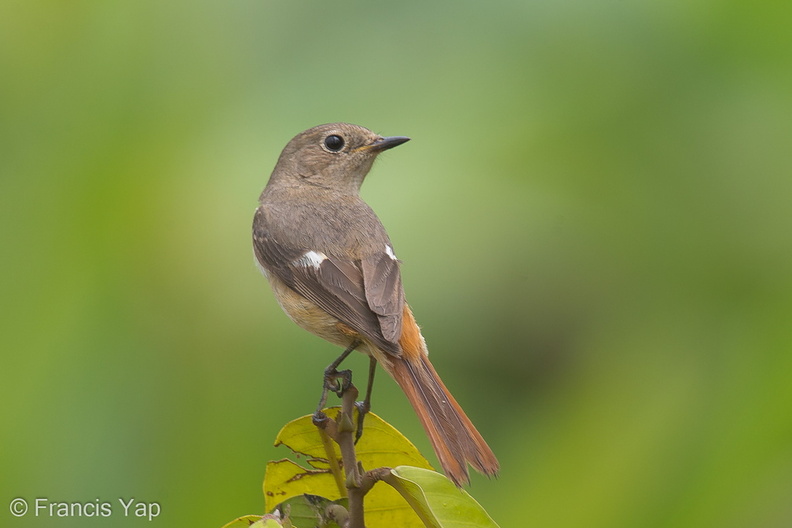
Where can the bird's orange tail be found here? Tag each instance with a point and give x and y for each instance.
(454, 438)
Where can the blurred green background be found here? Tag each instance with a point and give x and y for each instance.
(594, 218)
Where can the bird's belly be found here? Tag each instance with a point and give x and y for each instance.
(310, 317)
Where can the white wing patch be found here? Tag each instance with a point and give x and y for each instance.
(389, 251)
(311, 258)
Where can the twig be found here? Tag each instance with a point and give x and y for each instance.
(328, 432)
(342, 431)
(346, 443)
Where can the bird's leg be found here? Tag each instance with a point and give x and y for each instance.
(364, 406)
(335, 380)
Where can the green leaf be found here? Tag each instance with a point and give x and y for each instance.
(437, 501)
(380, 446)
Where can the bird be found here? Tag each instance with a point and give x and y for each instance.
(334, 272)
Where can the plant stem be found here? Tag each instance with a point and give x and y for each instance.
(346, 443)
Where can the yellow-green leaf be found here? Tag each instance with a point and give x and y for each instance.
(380, 446)
(267, 523)
(437, 501)
(254, 521)
(285, 479)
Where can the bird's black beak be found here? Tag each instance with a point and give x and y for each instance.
(387, 143)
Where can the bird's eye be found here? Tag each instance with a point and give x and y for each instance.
(334, 143)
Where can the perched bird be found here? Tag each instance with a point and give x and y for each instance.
(334, 272)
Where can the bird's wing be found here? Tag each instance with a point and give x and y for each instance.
(384, 292)
(364, 294)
